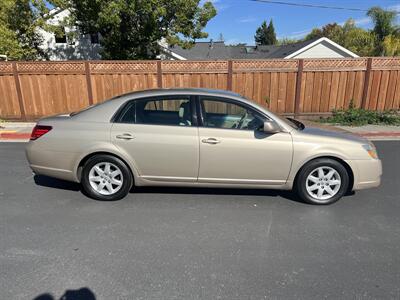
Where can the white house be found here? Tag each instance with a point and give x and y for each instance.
(82, 46)
(316, 48)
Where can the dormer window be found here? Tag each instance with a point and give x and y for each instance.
(60, 36)
(94, 38)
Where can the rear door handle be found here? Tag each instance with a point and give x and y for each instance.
(125, 136)
(211, 141)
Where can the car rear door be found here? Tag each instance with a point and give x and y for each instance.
(160, 136)
(234, 150)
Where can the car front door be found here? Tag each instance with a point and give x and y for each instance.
(234, 150)
(159, 135)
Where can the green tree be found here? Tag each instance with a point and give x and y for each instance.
(391, 45)
(261, 34)
(359, 41)
(286, 41)
(332, 31)
(132, 29)
(315, 33)
(265, 35)
(271, 35)
(356, 39)
(383, 26)
(20, 22)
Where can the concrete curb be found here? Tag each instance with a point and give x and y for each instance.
(6, 125)
(14, 136)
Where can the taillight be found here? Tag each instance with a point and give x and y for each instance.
(39, 130)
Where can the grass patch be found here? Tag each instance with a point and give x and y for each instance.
(357, 117)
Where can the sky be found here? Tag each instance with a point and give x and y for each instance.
(238, 20)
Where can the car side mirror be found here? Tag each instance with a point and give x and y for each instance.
(271, 127)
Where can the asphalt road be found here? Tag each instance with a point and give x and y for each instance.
(195, 244)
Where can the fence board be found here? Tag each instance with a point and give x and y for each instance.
(358, 88)
(9, 106)
(376, 81)
(326, 89)
(396, 98)
(59, 87)
(333, 95)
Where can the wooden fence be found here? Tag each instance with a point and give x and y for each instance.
(30, 90)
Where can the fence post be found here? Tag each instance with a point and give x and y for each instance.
(230, 75)
(89, 82)
(159, 74)
(299, 79)
(19, 92)
(366, 83)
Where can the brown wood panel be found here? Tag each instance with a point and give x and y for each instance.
(333, 95)
(282, 92)
(349, 93)
(237, 83)
(391, 89)
(309, 89)
(266, 89)
(248, 85)
(302, 93)
(396, 98)
(274, 92)
(341, 90)
(358, 88)
(290, 92)
(376, 81)
(257, 82)
(317, 90)
(9, 106)
(53, 94)
(326, 89)
(383, 89)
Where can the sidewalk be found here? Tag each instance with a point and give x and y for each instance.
(15, 131)
(21, 132)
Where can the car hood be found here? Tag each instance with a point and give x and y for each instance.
(333, 133)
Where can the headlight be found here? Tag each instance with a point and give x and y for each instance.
(370, 148)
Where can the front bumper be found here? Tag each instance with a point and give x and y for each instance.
(367, 173)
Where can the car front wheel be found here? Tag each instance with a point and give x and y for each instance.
(105, 177)
(322, 181)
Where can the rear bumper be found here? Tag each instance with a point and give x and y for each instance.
(50, 163)
(367, 173)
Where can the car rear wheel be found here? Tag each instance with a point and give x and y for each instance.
(322, 181)
(105, 177)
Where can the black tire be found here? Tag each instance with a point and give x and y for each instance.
(127, 179)
(306, 170)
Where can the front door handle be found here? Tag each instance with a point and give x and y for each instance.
(211, 141)
(125, 136)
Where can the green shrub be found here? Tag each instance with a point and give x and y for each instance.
(357, 116)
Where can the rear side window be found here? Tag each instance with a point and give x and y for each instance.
(158, 111)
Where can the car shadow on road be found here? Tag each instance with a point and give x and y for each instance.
(56, 183)
(81, 294)
(73, 186)
(218, 191)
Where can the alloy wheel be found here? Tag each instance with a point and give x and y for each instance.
(323, 183)
(105, 178)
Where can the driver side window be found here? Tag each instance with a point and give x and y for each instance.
(223, 114)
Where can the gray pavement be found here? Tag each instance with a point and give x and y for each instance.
(195, 243)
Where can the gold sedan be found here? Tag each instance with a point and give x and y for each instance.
(198, 138)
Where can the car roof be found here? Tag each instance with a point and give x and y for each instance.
(171, 91)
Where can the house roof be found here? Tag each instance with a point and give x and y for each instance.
(202, 50)
(218, 50)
